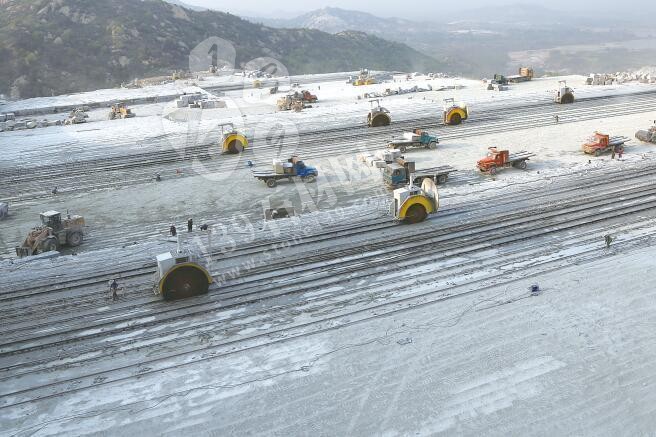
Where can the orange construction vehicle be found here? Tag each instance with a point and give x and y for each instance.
(600, 143)
(498, 159)
(309, 97)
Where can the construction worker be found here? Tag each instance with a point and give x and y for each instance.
(158, 178)
(608, 239)
(612, 154)
(190, 225)
(556, 118)
(54, 190)
(113, 287)
(620, 152)
(173, 231)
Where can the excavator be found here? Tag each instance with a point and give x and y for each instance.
(454, 113)
(413, 204)
(181, 275)
(232, 141)
(378, 116)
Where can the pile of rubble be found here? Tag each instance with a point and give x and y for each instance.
(398, 91)
(198, 101)
(9, 123)
(648, 135)
(643, 75)
(380, 158)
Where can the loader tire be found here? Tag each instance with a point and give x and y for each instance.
(50, 245)
(74, 239)
(441, 179)
(432, 145)
(309, 179)
(493, 171)
(402, 149)
(271, 183)
(597, 153)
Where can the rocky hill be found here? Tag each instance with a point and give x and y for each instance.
(59, 46)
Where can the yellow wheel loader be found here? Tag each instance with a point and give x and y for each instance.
(232, 141)
(52, 234)
(364, 78)
(120, 110)
(413, 204)
(454, 113)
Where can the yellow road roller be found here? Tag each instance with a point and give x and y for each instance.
(454, 113)
(378, 116)
(181, 275)
(413, 204)
(232, 141)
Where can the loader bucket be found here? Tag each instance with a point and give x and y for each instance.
(22, 252)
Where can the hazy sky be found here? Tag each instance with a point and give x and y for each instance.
(415, 9)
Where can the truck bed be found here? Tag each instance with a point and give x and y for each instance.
(264, 174)
(617, 140)
(434, 171)
(519, 156)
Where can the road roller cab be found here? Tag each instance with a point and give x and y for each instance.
(232, 141)
(181, 275)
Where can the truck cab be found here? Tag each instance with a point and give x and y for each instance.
(395, 174)
(598, 140)
(304, 170)
(494, 158)
(425, 138)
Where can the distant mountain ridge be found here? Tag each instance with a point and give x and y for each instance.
(61, 46)
(334, 20)
(473, 42)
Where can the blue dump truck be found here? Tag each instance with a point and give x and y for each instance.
(416, 138)
(398, 173)
(289, 169)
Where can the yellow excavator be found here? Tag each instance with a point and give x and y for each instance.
(413, 204)
(232, 141)
(454, 113)
(181, 275)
